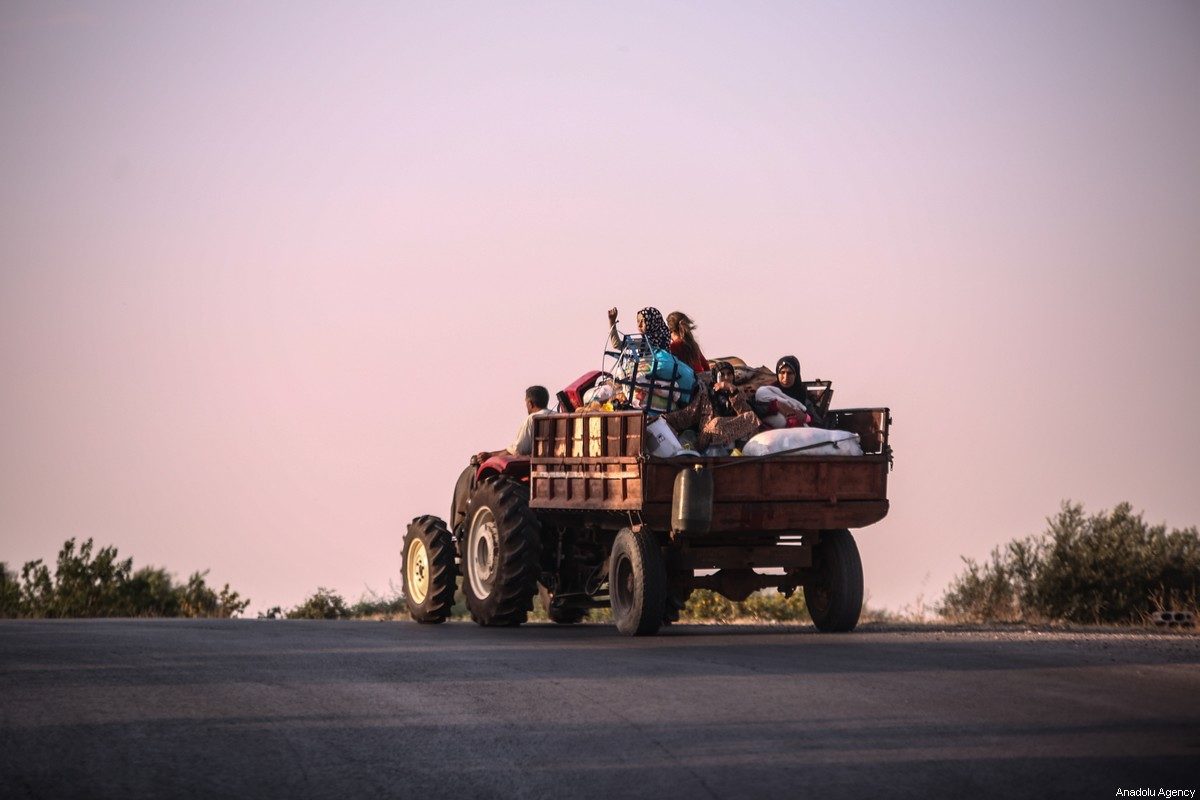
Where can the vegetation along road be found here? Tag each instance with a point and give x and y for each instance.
(258, 708)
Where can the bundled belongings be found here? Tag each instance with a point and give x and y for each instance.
(649, 378)
(805, 442)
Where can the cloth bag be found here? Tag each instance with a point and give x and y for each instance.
(821, 442)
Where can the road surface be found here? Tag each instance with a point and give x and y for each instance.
(294, 709)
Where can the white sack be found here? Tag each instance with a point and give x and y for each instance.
(600, 393)
(836, 443)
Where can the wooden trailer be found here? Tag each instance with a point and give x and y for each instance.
(595, 462)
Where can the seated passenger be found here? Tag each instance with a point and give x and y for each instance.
(537, 398)
(719, 412)
(683, 344)
(784, 404)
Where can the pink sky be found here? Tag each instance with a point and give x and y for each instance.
(269, 273)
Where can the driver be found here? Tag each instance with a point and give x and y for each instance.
(537, 398)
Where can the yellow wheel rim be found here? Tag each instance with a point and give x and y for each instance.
(416, 576)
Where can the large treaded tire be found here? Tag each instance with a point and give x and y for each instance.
(427, 564)
(637, 583)
(501, 553)
(835, 598)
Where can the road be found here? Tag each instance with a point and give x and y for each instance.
(293, 709)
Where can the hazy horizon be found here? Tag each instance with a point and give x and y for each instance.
(271, 273)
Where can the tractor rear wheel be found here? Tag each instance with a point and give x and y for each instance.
(835, 597)
(428, 567)
(637, 583)
(500, 553)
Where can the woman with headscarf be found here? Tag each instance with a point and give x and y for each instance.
(784, 403)
(719, 413)
(650, 325)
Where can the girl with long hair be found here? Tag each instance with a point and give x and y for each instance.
(683, 344)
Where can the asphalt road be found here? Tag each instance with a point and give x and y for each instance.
(290, 709)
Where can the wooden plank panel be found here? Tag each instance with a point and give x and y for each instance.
(775, 516)
(837, 477)
(595, 437)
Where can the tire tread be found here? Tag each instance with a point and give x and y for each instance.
(841, 565)
(519, 554)
(442, 570)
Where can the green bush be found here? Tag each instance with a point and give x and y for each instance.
(705, 605)
(376, 606)
(1107, 567)
(10, 592)
(200, 601)
(328, 604)
(103, 585)
(322, 604)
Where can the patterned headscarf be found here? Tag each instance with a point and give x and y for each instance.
(657, 335)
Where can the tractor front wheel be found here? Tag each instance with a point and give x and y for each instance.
(428, 568)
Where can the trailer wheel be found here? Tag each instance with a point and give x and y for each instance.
(637, 583)
(571, 615)
(500, 555)
(428, 568)
(835, 597)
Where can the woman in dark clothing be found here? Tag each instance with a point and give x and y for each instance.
(784, 403)
(683, 344)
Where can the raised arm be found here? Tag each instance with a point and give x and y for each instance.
(614, 335)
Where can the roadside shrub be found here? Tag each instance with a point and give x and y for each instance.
(10, 592)
(198, 600)
(768, 605)
(1106, 567)
(984, 592)
(705, 604)
(322, 604)
(376, 606)
(89, 583)
(325, 603)
(152, 591)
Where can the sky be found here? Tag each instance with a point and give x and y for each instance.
(271, 272)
